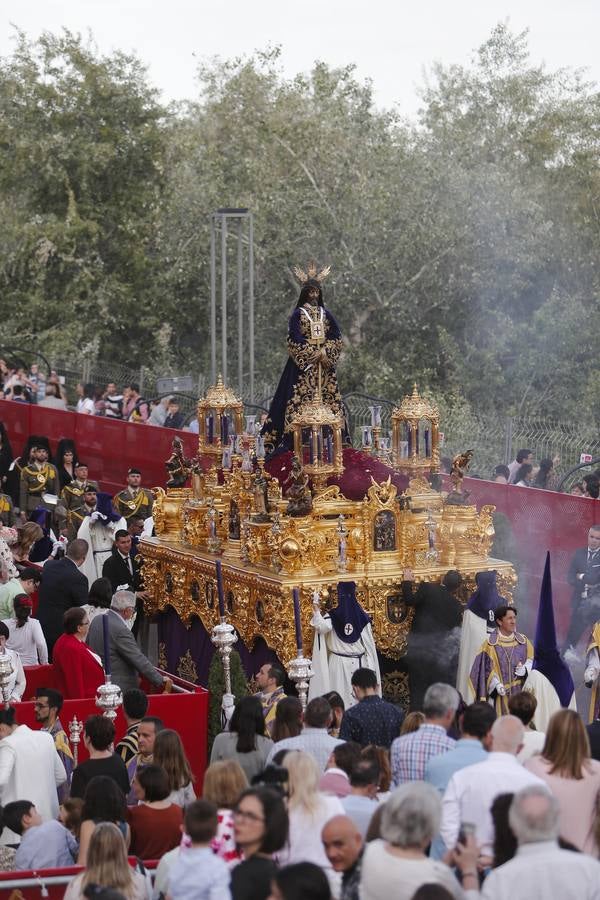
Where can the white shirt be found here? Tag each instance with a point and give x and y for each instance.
(305, 844)
(388, 877)
(85, 405)
(533, 742)
(315, 741)
(542, 871)
(28, 641)
(471, 792)
(22, 753)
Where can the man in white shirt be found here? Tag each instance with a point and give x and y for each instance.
(541, 869)
(472, 790)
(314, 737)
(30, 767)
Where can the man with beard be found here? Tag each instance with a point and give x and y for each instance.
(46, 708)
(434, 638)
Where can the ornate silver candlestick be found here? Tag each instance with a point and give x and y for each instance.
(109, 698)
(224, 637)
(6, 670)
(75, 729)
(300, 671)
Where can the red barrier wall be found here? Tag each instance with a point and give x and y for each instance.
(540, 521)
(108, 447)
(187, 713)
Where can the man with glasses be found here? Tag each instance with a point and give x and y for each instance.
(46, 708)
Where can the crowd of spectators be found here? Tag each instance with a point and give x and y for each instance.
(447, 808)
(127, 404)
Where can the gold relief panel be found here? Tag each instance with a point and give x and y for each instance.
(395, 688)
(392, 620)
(163, 662)
(186, 668)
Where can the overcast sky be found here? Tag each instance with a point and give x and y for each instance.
(392, 42)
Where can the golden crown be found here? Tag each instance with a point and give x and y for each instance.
(311, 272)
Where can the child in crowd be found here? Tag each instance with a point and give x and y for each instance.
(44, 845)
(197, 874)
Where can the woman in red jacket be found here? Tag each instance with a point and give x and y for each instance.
(78, 671)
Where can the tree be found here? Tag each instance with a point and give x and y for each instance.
(81, 174)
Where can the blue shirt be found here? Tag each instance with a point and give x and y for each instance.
(372, 721)
(197, 874)
(46, 846)
(360, 809)
(440, 769)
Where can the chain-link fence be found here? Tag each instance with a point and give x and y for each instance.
(495, 439)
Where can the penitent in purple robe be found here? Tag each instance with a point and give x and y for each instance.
(495, 664)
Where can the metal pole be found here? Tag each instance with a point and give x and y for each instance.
(251, 302)
(224, 297)
(509, 440)
(240, 283)
(213, 304)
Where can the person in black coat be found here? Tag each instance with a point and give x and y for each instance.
(62, 587)
(121, 568)
(434, 638)
(123, 571)
(584, 578)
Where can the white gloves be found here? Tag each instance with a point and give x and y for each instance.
(590, 675)
(95, 516)
(501, 690)
(520, 670)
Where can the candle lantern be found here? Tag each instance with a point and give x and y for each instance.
(220, 418)
(317, 433)
(415, 435)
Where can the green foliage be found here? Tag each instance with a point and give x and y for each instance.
(216, 688)
(464, 246)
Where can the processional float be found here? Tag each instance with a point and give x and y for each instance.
(246, 544)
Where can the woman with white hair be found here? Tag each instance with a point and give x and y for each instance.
(309, 810)
(396, 865)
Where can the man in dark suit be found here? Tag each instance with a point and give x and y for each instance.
(121, 568)
(62, 587)
(123, 571)
(584, 578)
(126, 658)
(434, 639)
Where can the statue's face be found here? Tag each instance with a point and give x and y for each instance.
(313, 296)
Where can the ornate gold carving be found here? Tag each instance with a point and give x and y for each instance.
(163, 662)
(186, 668)
(395, 688)
(311, 272)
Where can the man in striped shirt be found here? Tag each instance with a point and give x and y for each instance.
(135, 707)
(411, 752)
